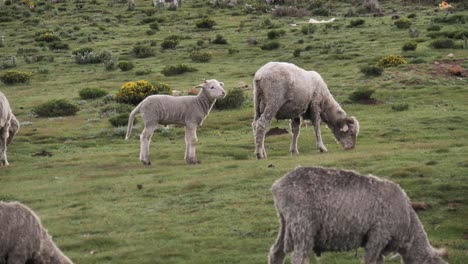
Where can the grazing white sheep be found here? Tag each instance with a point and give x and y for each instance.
(324, 209)
(23, 239)
(9, 126)
(285, 91)
(189, 111)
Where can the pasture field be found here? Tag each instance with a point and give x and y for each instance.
(102, 206)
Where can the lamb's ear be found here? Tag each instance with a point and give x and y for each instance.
(200, 86)
(222, 84)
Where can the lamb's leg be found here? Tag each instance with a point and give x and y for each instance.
(190, 143)
(277, 253)
(3, 145)
(295, 126)
(260, 126)
(318, 135)
(145, 139)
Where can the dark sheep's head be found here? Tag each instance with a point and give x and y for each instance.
(346, 132)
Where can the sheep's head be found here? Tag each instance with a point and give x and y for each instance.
(437, 254)
(14, 128)
(214, 88)
(346, 132)
(49, 253)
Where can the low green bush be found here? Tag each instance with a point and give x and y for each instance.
(201, 56)
(434, 27)
(54, 108)
(443, 44)
(154, 26)
(91, 93)
(120, 120)
(391, 61)
(453, 19)
(275, 33)
(12, 77)
(400, 107)
(361, 95)
(356, 22)
(234, 99)
(92, 57)
(82, 50)
(402, 23)
(270, 45)
(308, 29)
(125, 65)
(219, 40)
(47, 37)
(135, 92)
(172, 70)
(297, 52)
(141, 51)
(58, 45)
(205, 22)
(411, 45)
(372, 70)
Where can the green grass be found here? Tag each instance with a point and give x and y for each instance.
(221, 211)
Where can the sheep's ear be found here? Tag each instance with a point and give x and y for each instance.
(205, 81)
(344, 128)
(200, 86)
(351, 120)
(222, 84)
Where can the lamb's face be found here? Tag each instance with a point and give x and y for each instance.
(214, 88)
(347, 132)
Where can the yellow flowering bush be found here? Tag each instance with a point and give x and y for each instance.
(391, 61)
(135, 92)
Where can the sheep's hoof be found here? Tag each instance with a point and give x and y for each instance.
(4, 163)
(260, 156)
(294, 152)
(323, 149)
(146, 163)
(192, 161)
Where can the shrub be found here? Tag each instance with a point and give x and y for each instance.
(453, 19)
(154, 26)
(172, 70)
(120, 120)
(47, 37)
(275, 33)
(270, 45)
(12, 77)
(412, 45)
(434, 28)
(219, 40)
(109, 64)
(400, 107)
(205, 23)
(201, 56)
(289, 11)
(58, 45)
(372, 70)
(361, 95)
(443, 44)
(170, 42)
(141, 51)
(391, 61)
(135, 92)
(297, 53)
(125, 65)
(91, 93)
(82, 50)
(308, 29)
(321, 11)
(233, 51)
(53, 108)
(356, 22)
(92, 57)
(234, 99)
(402, 23)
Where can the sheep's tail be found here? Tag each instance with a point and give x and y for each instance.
(256, 88)
(131, 118)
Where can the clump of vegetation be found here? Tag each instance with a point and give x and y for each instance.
(289, 11)
(356, 22)
(276, 33)
(308, 29)
(402, 23)
(154, 26)
(201, 56)
(362, 95)
(297, 52)
(172, 70)
(443, 44)
(125, 65)
(412, 15)
(47, 37)
(372, 70)
(434, 27)
(92, 57)
(12, 77)
(234, 99)
(91, 93)
(135, 92)
(391, 61)
(219, 40)
(54, 108)
(142, 51)
(453, 19)
(400, 107)
(170, 42)
(82, 50)
(270, 45)
(58, 45)
(321, 11)
(120, 120)
(411, 45)
(205, 22)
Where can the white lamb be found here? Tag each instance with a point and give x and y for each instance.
(189, 111)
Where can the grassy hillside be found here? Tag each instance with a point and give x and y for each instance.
(102, 206)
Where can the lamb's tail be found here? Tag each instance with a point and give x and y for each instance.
(131, 118)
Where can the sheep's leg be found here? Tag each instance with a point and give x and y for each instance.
(374, 247)
(277, 252)
(190, 143)
(260, 126)
(145, 140)
(295, 126)
(318, 135)
(3, 145)
(300, 256)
